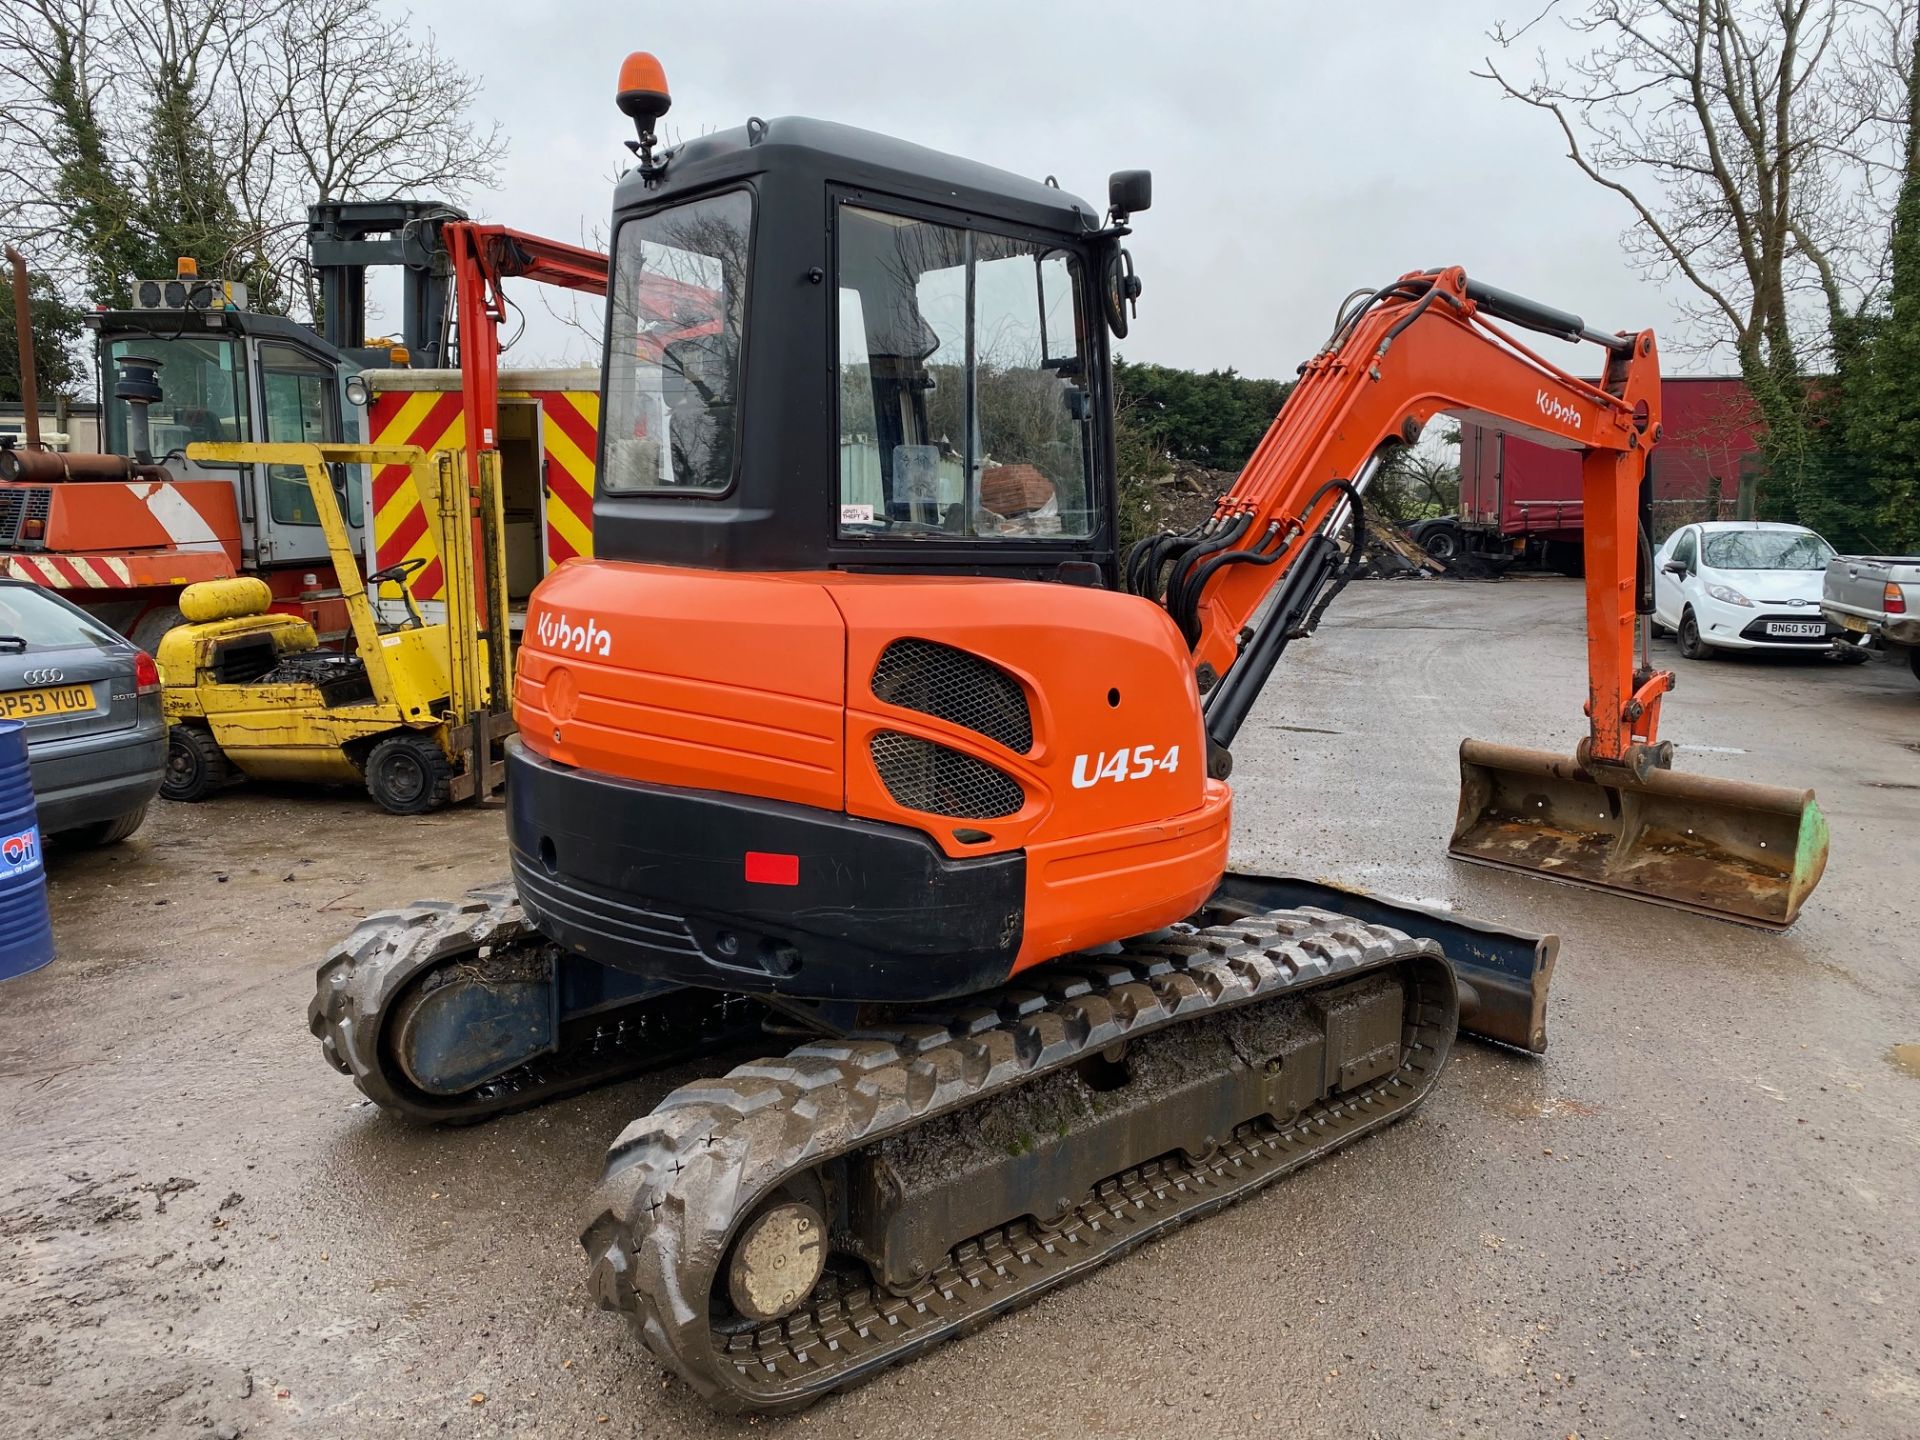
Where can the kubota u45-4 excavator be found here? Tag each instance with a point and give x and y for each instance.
(861, 727)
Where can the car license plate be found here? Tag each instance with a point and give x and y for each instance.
(38, 704)
(1796, 627)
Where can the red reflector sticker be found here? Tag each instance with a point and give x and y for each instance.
(764, 868)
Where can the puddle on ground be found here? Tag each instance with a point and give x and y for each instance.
(1905, 1057)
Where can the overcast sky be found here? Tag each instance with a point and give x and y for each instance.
(1298, 150)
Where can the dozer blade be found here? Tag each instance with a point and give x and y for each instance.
(1727, 848)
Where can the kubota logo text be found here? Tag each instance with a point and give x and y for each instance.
(1135, 764)
(1554, 410)
(589, 639)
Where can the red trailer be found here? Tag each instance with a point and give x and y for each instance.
(1520, 501)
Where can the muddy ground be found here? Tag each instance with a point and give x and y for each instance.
(1696, 1215)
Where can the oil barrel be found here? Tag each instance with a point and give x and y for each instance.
(26, 927)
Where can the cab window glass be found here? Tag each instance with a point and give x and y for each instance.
(962, 384)
(298, 404)
(673, 362)
(1687, 551)
(1767, 550)
(202, 392)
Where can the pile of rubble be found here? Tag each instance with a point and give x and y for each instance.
(1185, 496)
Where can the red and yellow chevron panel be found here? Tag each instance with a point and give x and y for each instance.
(568, 438)
(433, 420)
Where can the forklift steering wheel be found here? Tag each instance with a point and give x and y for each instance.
(399, 574)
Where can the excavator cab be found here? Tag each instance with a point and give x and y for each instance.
(950, 414)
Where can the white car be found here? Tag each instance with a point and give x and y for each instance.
(1741, 585)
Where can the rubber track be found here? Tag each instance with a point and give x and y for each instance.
(679, 1180)
(361, 979)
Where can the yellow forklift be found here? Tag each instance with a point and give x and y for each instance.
(417, 711)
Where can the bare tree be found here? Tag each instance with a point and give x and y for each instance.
(57, 175)
(1418, 483)
(1753, 142)
(132, 130)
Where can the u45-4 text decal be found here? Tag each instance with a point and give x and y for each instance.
(1136, 763)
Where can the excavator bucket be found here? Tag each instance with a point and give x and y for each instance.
(1727, 848)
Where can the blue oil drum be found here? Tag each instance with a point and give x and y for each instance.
(26, 927)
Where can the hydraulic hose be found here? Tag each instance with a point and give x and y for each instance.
(1180, 601)
(1271, 547)
(1148, 555)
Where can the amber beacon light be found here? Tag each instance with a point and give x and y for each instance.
(643, 97)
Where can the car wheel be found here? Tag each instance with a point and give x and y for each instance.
(408, 775)
(1442, 542)
(104, 832)
(1913, 660)
(1691, 645)
(195, 766)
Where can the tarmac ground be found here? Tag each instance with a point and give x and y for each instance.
(1694, 1215)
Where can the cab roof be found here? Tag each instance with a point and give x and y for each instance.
(848, 155)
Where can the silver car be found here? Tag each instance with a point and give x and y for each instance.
(96, 739)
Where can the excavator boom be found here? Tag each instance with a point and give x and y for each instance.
(1615, 816)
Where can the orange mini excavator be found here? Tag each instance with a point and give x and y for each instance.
(861, 727)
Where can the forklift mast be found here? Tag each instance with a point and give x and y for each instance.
(346, 237)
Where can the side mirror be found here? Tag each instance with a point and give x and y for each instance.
(1119, 290)
(1129, 191)
(1676, 567)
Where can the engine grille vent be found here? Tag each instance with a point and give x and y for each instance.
(931, 778)
(957, 687)
(19, 504)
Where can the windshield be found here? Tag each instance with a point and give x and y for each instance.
(1767, 550)
(32, 620)
(202, 392)
(964, 406)
(673, 357)
(297, 398)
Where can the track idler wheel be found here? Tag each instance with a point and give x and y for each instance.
(778, 1259)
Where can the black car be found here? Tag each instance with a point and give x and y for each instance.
(96, 738)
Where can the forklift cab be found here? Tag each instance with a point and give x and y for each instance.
(226, 376)
(959, 416)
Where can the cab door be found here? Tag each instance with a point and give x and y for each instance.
(299, 402)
